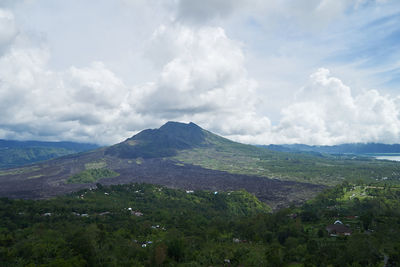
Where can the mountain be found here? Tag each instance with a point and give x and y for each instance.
(162, 142)
(185, 156)
(356, 148)
(18, 153)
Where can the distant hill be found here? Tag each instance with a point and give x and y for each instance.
(18, 153)
(356, 148)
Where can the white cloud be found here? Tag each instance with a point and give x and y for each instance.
(326, 113)
(199, 72)
(82, 104)
(204, 80)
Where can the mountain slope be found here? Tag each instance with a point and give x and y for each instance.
(19, 153)
(186, 156)
(316, 168)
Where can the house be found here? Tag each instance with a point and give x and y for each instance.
(136, 213)
(338, 229)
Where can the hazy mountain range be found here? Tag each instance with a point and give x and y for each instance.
(356, 148)
(17, 153)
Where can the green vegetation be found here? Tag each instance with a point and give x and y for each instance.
(103, 227)
(91, 175)
(148, 225)
(218, 153)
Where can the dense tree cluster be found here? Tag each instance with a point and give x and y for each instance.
(148, 225)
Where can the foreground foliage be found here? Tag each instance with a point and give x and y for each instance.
(147, 225)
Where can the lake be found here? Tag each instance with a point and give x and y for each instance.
(393, 157)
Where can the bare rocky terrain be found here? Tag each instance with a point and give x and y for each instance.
(49, 179)
(136, 161)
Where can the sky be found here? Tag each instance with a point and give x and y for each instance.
(318, 72)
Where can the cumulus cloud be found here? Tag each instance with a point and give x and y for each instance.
(205, 80)
(81, 104)
(325, 113)
(200, 76)
(37, 103)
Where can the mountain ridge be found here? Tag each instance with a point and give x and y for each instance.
(15, 153)
(350, 148)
